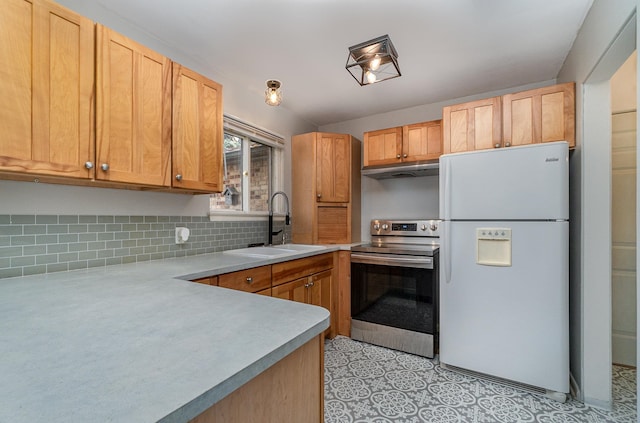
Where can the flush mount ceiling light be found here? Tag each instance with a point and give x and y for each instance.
(373, 61)
(273, 95)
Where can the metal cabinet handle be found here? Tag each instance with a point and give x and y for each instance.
(508, 144)
(397, 156)
(497, 145)
(178, 177)
(249, 280)
(88, 165)
(104, 166)
(404, 155)
(311, 283)
(319, 195)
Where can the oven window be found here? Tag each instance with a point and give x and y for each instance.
(400, 297)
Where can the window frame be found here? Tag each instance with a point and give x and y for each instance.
(251, 133)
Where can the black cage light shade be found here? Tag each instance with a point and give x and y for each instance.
(373, 61)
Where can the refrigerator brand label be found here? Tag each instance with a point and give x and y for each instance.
(552, 159)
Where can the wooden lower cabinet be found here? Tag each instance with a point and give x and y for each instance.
(309, 280)
(290, 391)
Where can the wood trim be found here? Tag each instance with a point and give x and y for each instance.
(343, 279)
(290, 391)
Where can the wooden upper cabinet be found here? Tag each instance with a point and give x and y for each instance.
(197, 131)
(383, 147)
(46, 89)
(422, 141)
(133, 111)
(540, 115)
(476, 125)
(333, 167)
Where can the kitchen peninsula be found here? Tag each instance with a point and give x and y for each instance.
(133, 343)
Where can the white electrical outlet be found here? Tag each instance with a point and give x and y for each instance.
(182, 235)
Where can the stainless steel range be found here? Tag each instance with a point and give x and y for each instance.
(394, 286)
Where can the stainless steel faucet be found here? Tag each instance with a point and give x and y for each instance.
(287, 219)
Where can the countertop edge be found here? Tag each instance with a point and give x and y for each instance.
(217, 393)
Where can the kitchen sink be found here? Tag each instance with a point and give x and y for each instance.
(274, 251)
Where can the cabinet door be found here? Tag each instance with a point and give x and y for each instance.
(541, 115)
(133, 120)
(422, 141)
(333, 225)
(197, 131)
(476, 125)
(319, 293)
(295, 290)
(333, 167)
(383, 147)
(46, 56)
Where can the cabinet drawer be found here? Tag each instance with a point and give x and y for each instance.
(295, 269)
(250, 280)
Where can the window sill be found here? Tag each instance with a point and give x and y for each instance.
(229, 216)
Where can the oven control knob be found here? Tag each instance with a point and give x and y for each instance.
(433, 226)
(385, 227)
(376, 226)
(423, 227)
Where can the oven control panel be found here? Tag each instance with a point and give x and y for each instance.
(427, 228)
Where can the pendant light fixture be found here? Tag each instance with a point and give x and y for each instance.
(373, 61)
(273, 94)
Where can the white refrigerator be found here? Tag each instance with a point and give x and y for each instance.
(504, 264)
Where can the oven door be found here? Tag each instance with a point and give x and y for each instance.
(395, 298)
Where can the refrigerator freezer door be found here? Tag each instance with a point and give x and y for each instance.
(517, 183)
(510, 322)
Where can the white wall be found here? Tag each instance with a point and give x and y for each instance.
(238, 99)
(592, 60)
(409, 198)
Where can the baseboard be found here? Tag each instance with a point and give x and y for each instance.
(605, 405)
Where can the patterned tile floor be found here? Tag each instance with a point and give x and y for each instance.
(370, 384)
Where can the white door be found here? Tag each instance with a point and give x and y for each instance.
(512, 321)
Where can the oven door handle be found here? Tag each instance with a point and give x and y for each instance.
(393, 260)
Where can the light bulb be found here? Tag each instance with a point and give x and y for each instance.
(273, 97)
(371, 77)
(375, 63)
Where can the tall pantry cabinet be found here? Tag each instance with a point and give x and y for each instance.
(326, 188)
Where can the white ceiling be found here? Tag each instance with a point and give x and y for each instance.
(447, 48)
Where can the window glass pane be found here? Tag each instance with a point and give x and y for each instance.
(231, 198)
(260, 181)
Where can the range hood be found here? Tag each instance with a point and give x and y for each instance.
(402, 171)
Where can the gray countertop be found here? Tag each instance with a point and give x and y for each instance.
(134, 343)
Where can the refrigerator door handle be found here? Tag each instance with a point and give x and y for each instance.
(445, 189)
(446, 256)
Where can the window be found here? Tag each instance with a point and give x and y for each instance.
(252, 168)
